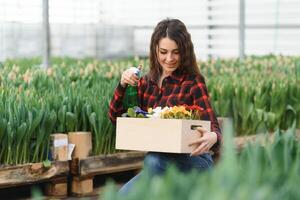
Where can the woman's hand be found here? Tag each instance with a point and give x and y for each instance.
(129, 77)
(204, 142)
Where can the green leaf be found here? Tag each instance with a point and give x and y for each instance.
(140, 116)
(131, 112)
(71, 121)
(47, 163)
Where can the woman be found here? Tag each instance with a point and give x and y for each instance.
(174, 79)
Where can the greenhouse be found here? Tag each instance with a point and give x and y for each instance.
(181, 100)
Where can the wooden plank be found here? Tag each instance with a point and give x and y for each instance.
(105, 164)
(31, 173)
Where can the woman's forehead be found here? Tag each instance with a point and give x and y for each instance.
(167, 43)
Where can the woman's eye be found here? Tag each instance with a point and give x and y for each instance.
(162, 52)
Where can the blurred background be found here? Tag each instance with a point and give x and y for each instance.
(119, 28)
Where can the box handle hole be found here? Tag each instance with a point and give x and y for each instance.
(195, 127)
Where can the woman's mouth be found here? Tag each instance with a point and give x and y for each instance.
(171, 65)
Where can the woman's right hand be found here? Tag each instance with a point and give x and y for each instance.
(129, 78)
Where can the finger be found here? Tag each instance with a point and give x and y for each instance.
(199, 149)
(128, 73)
(211, 144)
(205, 150)
(135, 78)
(129, 81)
(123, 78)
(212, 139)
(198, 141)
(201, 129)
(200, 134)
(132, 77)
(123, 82)
(202, 151)
(196, 152)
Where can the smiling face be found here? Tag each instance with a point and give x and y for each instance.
(168, 55)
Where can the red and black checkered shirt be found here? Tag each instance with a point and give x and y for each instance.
(176, 90)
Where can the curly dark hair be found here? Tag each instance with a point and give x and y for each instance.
(175, 30)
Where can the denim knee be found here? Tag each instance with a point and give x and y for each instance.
(154, 163)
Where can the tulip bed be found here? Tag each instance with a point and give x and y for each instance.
(260, 94)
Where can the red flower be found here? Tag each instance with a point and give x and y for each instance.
(196, 110)
(193, 108)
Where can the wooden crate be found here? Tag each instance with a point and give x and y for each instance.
(84, 170)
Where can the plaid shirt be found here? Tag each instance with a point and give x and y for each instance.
(175, 90)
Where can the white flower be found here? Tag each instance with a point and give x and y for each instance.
(157, 109)
(157, 112)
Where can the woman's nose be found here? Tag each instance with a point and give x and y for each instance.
(169, 57)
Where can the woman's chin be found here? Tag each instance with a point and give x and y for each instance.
(170, 69)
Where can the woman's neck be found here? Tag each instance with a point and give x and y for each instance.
(164, 75)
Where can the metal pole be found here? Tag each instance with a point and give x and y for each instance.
(46, 35)
(242, 30)
(209, 29)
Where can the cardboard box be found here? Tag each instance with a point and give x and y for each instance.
(160, 135)
(83, 144)
(59, 146)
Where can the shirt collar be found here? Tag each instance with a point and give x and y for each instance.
(177, 76)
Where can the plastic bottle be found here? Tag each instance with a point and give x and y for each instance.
(131, 94)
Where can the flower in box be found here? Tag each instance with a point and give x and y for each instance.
(156, 112)
(182, 112)
(175, 112)
(136, 112)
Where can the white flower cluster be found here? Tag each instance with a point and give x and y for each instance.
(155, 113)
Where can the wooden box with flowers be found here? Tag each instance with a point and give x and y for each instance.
(168, 129)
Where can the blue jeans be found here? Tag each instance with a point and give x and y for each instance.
(156, 164)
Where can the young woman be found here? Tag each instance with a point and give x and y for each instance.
(174, 79)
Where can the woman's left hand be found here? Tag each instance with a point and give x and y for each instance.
(204, 143)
